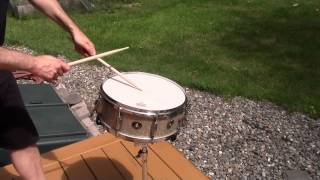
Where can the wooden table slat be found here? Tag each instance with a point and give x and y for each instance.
(54, 172)
(80, 147)
(101, 165)
(123, 160)
(76, 168)
(176, 161)
(107, 157)
(8, 173)
(156, 167)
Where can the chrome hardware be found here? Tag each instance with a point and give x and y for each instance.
(119, 119)
(154, 128)
(136, 125)
(169, 125)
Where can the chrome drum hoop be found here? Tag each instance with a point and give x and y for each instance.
(146, 113)
(156, 125)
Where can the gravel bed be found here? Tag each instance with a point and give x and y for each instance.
(230, 138)
(233, 138)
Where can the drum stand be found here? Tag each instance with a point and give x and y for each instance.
(143, 153)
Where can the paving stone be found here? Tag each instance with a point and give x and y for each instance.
(90, 126)
(73, 99)
(61, 91)
(80, 110)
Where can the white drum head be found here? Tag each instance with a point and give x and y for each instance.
(158, 93)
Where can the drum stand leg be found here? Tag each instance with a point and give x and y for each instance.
(143, 153)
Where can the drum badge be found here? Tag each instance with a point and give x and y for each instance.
(141, 104)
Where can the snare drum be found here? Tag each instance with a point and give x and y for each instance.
(150, 115)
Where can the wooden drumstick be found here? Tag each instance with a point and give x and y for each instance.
(118, 73)
(108, 53)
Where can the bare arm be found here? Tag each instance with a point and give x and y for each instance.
(45, 67)
(13, 60)
(53, 10)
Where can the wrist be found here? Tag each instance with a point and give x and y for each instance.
(31, 63)
(74, 31)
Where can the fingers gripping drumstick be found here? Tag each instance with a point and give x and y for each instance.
(98, 57)
(108, 53)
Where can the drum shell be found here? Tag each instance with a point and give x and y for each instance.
(125, 121)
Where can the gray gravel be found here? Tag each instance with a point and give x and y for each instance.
(241, 138)
(232, 138)
(235, 137)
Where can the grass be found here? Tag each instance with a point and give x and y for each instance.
(265, 50)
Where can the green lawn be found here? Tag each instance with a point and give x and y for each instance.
(261, 49)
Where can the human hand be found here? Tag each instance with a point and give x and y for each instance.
(83, 44)
(48, 68)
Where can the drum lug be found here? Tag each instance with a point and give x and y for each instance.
(98, 119)
(154, 128)
(97, 107)
(173, 137)
(170, 123)
(119, 120)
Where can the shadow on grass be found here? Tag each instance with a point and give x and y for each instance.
(281, 42)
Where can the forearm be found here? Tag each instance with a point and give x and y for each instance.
(13, 60)
(54, 11)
